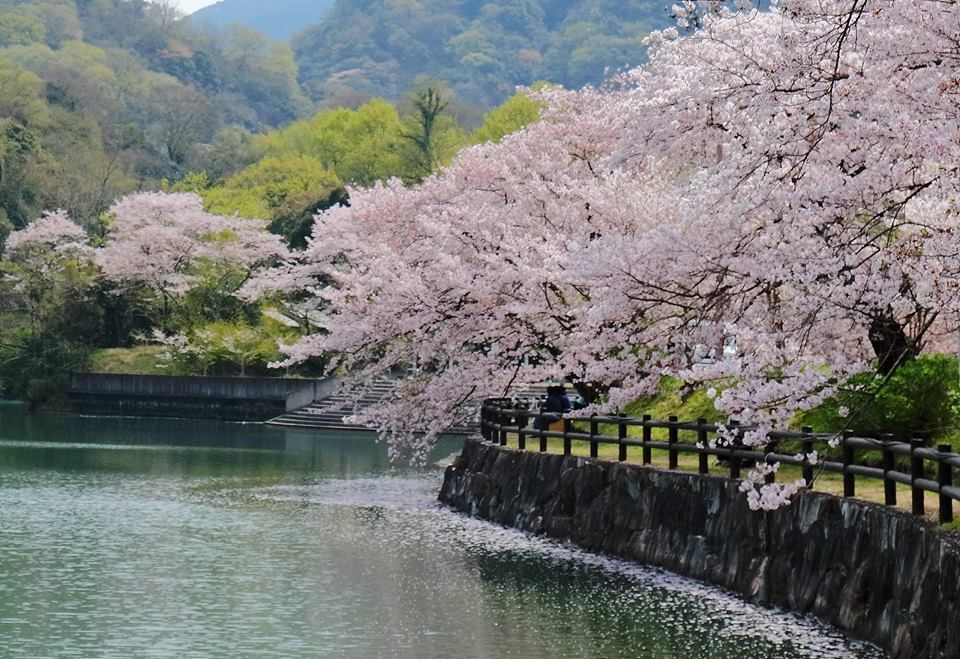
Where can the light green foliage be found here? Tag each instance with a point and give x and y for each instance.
(921, 399)
(20, 27)
(20, 98)
(265, 187)
(231, 151)
(512, 115)
(5, 226)
(228, 348)
(361, 146)
(22, 166)
(214, 295)
(140, 360)
(676, 399)
(121, 94)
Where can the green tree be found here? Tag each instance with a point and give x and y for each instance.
(512, 115)
(361, 146)
(49, 319)
(20, 98)
(21, 164)
(265, 188)
(20, 27)
(431, 136)
(294, 220)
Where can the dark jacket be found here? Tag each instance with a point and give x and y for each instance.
(552, 405)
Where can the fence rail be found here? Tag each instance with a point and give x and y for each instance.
(927, 469)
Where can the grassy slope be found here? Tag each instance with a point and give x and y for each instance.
(141, 360)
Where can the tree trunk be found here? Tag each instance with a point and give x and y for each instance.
(890, 343)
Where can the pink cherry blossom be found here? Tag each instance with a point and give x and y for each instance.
(55, 231)
(784, 182)
(158, 240)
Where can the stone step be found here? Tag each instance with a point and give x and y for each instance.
(330, 412)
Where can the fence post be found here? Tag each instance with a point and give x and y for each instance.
(521, 430)
(566, 436)
(672, 437)
(485, 422)
(702, 456)
(916, 473)
(889, 465)
(622, 435)
(594, 449)
(646, 439)
(849, 480)
(807, 450)
(735, 461)
(543, 438)
(504, 419)
(945, 479)
(767, 450)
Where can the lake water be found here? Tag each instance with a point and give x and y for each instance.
(165, 538)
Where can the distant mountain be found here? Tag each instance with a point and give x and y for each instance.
(482, 48)
(279, 19)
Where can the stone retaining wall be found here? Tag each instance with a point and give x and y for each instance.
(880, 575)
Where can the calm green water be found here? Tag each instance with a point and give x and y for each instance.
(154, 538)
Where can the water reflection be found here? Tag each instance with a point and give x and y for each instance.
(156, 538)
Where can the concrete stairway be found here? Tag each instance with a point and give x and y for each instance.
(330, 412)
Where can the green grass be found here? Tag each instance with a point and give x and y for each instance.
(675, 399)
(140, 360)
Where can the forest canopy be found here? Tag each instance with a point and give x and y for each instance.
(482, 49)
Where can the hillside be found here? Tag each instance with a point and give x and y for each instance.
(101, 98)
(279, 19)
(484, 50)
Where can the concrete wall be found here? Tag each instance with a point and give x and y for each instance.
(234, 399)
(166, 385)
(881, 575)
(310, 391)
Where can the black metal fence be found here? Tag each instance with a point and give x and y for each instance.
(912, 463)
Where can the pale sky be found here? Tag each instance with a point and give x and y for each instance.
(189, 6)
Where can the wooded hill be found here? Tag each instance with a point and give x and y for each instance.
(483, 49)
(361, 49)
(101, 97)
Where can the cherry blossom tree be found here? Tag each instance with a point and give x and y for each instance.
(48, 313)
(53, 231)
(782, 180)
(169, 244)
(37, 259)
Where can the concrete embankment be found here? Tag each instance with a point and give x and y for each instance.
(880, 575)
(225, 398)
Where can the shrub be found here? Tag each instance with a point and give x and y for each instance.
(921, 399)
